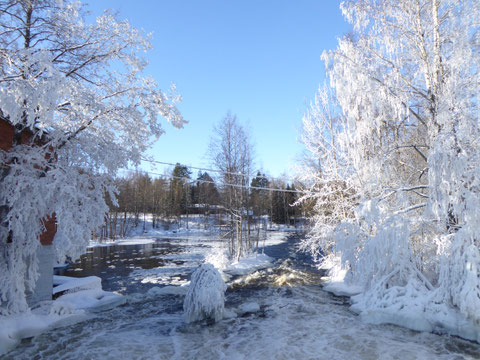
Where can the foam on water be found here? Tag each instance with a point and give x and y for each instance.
(294, 319)
(292, 323)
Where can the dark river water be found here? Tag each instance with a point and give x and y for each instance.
(296, 318)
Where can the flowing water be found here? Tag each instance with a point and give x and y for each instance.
(296, 319)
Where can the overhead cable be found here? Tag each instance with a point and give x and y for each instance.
(211, 170)
(227, 184)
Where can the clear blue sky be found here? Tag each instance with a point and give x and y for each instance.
(258, 58)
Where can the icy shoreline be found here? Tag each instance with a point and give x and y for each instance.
(81, 296)
(423, 315)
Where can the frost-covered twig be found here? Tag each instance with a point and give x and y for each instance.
(205, 297)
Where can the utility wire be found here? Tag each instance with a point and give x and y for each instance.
(232, 185)
(211, 170)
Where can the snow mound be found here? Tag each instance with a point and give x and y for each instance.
(249, 264)
(205, 297)
(340, 288)
(93, 300)
(81, 295)
(410, 308)
(84, 293)
(229, 314)
(335, 281)
(134, 241)
(167, 290)
(250, 307)
(49, 315)
(424, 315)
(70, 284)
(61, 308)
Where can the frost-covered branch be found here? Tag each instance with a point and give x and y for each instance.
(205, 297)
(407, 78)
(410, 208)
(77, 92)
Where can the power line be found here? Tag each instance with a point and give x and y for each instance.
(212, 170)
(232, 185)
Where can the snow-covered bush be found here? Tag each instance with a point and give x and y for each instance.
(205, 297)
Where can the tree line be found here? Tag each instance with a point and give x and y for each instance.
(178, 194)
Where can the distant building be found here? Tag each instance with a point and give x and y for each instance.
(44, 285)
(205, 209)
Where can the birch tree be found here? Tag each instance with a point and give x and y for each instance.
(231, 153)
(407, 81)
(81, 88)
(326, 170)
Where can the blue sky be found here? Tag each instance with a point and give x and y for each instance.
(259, 59)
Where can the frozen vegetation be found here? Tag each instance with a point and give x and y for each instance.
(205, 298)
(406, 308)
(393, 173)
(87, 113)
(393, 165)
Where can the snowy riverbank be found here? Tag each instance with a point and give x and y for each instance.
(419, 313)
(77, 299)
(197, 226)
(280, 312)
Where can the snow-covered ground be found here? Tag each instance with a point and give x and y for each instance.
(196, 226)
(278, 312)
(45, 317)
(81, 296)
(421, 314)
(420, 317)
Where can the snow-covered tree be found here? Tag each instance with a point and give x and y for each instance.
(231, 152)
(407, 80)
(79, 89)
(326, 170)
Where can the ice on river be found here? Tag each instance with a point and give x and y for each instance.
(294, 323)
(292, 319)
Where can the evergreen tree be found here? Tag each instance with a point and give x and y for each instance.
(179, 193)
(259, 196)
(207, 191)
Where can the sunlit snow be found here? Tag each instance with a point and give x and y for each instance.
(280, 312)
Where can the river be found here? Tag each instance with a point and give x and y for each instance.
(296, 320)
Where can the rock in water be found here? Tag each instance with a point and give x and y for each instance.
(205, 297)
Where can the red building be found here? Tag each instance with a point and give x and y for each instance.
(6, 143)
(44, 285)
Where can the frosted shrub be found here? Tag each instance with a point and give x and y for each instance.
(205, 298)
